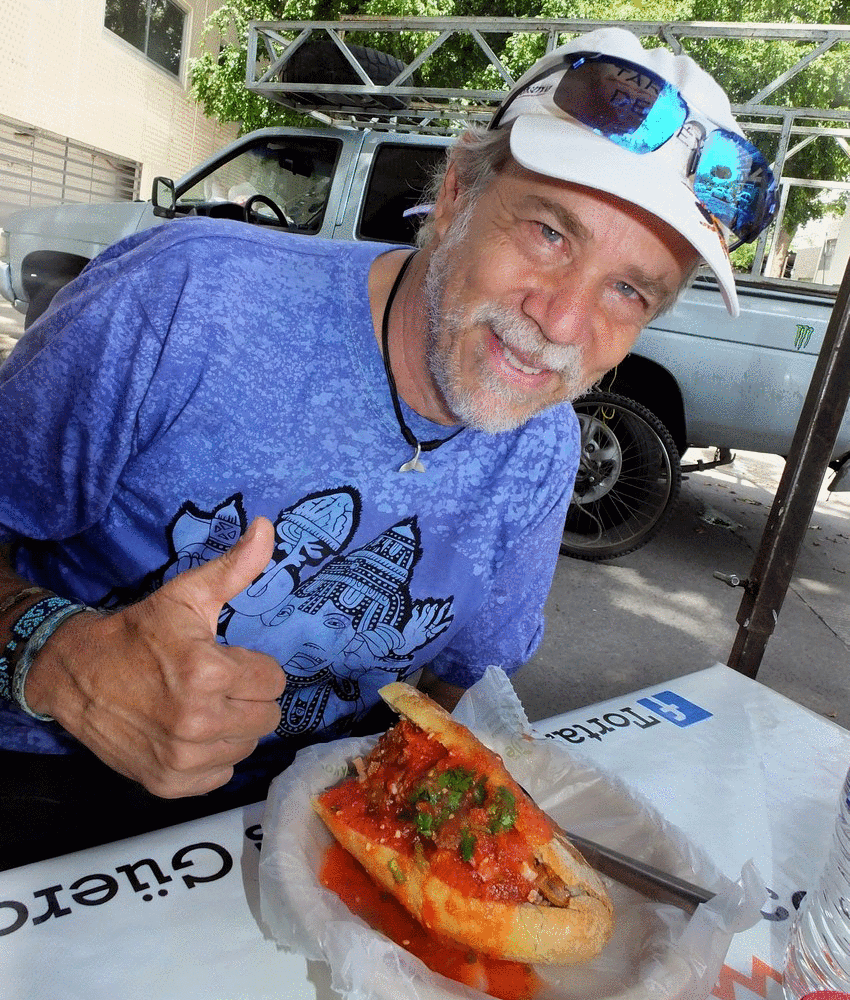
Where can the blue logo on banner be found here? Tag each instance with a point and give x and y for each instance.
(675, 708)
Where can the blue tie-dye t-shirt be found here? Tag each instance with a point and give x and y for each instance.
(202, 373)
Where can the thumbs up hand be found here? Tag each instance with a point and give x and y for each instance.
(151, 692)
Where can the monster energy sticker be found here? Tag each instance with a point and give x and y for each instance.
(803, 336)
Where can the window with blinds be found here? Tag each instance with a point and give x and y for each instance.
(38, 167)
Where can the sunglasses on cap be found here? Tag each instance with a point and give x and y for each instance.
(640, 111)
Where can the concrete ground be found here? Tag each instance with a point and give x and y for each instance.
(658, 613)
(11, 327)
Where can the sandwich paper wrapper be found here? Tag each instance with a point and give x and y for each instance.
(656, 950)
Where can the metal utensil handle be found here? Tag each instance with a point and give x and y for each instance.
(645, 879)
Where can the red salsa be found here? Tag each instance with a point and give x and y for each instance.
(348, 879)
(474, 832)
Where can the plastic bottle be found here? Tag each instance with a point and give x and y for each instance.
(818, 953)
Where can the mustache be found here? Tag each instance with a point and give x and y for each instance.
(522, 335)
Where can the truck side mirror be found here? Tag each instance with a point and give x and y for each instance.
(164, 197)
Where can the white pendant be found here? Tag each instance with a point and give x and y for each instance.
(414, 465)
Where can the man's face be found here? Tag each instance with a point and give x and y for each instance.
(537, 290)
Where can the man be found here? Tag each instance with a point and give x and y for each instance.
(250, 451)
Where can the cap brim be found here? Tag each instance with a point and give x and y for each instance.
(556, 148)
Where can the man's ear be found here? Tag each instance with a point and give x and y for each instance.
(448, 202)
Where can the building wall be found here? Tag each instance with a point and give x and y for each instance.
(809, 244)
(62, 70)
(842, 252)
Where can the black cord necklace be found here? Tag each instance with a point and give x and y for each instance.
(414, 464)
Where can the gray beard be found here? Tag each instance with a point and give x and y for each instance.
(494, 406)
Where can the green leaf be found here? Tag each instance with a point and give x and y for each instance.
(467, 845)
(502, 811)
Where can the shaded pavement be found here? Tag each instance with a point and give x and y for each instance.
(659, 612)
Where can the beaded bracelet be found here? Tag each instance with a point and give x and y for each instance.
(31, 649)
(22, 595)
(44, 614)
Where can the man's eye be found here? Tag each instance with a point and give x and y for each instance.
(549, 234)
(627, 290)
(635, 298)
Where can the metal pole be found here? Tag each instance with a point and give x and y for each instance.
(797, 493)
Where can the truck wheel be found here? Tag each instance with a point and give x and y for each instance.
(322, 62)
(628, 478)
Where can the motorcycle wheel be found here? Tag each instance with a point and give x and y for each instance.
(628, 478)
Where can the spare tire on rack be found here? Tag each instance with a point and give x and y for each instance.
(324, 63)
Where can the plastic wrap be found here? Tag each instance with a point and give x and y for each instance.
(656, 951)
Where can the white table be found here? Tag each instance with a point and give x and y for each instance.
(173, 914)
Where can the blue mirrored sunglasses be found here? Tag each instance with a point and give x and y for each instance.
(639, 111)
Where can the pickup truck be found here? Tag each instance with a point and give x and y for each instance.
(696, 377)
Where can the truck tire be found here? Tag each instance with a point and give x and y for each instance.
(628, 479)
(322, 62)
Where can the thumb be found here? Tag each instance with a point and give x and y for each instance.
(210, 585)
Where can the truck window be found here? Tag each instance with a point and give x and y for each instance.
(398, 176)
(293, 173)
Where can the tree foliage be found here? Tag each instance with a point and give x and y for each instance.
(746, 66)
(743, 66)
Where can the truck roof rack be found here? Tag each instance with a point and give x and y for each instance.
(350, 88)
(324, 69)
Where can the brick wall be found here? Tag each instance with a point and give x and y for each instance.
(62, 70)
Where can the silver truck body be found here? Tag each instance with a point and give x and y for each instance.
(742, 381)
(712, 380)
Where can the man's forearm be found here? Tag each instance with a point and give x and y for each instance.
(29, 616)
(16, 595)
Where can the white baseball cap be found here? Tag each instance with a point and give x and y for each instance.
(549, 140)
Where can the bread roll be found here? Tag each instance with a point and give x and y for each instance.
(437, 820)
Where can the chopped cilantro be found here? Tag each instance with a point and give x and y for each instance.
(467, 845)
(457, 779)
(453, 800)
(479, 793)
(396, 871)
(425, 824)
(502, 811)
(441, 795)
(424, 794)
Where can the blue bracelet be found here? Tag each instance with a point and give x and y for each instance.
(32, 648)
(37, 615)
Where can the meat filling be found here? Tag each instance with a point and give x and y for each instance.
(449, 813)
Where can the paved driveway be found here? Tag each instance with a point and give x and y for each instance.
(11, 327)
(659, 612)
